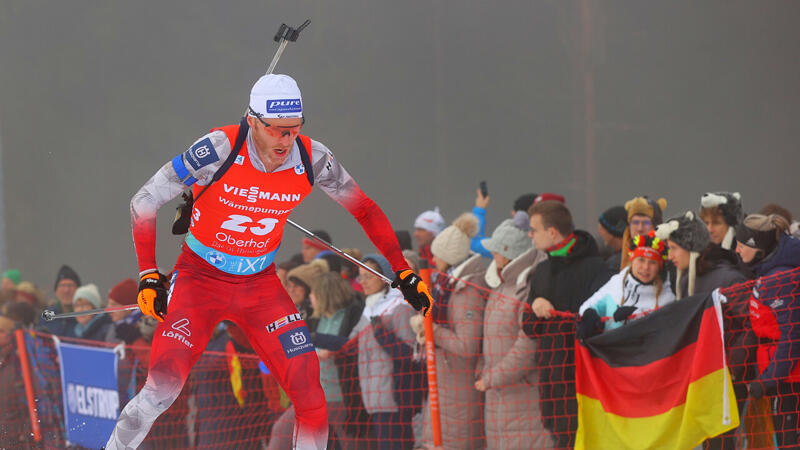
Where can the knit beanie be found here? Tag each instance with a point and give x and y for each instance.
(276, 96)
(125, 292)
(383, 264)
(452, 244)
(549, 196)
(649, 247)
(690, 233)
(510, 238)
(88, 292)
(523, 202)
(614, 220)
(307, 272)
(430, 220)
(66, 273)
(13, 275)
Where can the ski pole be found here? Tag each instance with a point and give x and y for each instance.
(49, 315)
(285, 35)
(340, 253)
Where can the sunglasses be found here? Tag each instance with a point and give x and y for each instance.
(274, 130)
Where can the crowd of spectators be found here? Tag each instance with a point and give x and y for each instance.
(496, 336)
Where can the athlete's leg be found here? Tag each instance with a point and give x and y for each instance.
(287, 351)
(177, 344)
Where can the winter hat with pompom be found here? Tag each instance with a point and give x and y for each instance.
(452, 244)
(510, 238)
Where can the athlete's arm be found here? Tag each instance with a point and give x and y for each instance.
(196, 165)
(340, 186)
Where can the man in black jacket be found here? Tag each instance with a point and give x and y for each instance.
(571, 274)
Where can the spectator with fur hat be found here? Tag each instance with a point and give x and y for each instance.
(643, 216)
(570, 275)
(764, 244)
(426, 226)
(691, 251)
(299, 281)
(125, 327)
(721, 212)
(93, 327)
(508, 374)
(458, 316)
(611, 228)
(638, 289)
(67, 282)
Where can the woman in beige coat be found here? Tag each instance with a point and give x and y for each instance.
(458, 325)
(508, 376)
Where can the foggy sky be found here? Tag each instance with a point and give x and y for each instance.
(596, 100)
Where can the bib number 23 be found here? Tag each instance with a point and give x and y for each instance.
(237, 222)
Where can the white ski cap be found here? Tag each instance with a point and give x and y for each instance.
(276, 96)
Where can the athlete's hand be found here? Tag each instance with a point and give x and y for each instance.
(414, 290)
(153, 295)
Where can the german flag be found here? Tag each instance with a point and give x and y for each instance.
(658, 382)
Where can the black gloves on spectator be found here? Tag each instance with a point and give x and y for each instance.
(756, 390)
(414, 290)
(128, 332)
(529, 323)
(589, 325)
(623, 312)
(759, 389)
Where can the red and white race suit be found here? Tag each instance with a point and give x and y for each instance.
(225, 272)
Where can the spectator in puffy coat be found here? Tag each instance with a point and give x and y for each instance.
(385, 341)
(572, 272)
(93, 327)
(458, 327)
(637, 289)
(764, 245)
(508, 374)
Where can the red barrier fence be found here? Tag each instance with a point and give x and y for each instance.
(497, 388)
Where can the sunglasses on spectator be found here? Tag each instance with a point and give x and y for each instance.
(641, 222)
(274, 130)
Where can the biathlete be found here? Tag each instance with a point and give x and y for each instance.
(225, 270)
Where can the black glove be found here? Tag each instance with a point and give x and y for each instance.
(756, 390)
(529, 323)
(414, 290)
(153, 295)
(128, 332)
(623, 312)
(589, 325)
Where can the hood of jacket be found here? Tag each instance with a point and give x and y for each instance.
(785, 256)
